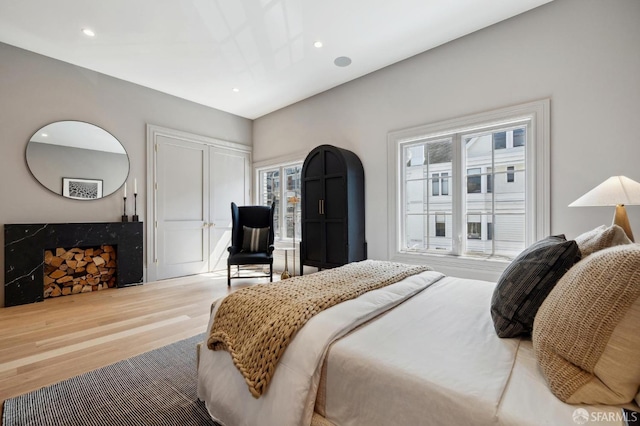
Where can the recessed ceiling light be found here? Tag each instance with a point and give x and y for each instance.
(342, 61)
(44, 135)
(88, 32)
(317, 44)
(235, 89)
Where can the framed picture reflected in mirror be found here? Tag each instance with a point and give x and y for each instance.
(82, 189)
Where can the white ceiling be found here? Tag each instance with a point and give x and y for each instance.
(201, 49)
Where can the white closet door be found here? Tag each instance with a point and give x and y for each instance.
(182, 203)
(230, 181)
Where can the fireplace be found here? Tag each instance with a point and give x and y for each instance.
(26, 246)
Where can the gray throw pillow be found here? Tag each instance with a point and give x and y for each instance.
(255, 240)
(527, 281)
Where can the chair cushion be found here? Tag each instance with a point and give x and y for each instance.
(526, 282)
(600, 238)
(585, 334)
(255, 240)
(245, 258)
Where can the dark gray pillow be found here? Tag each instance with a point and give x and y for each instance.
(255, 239)
(527, 281)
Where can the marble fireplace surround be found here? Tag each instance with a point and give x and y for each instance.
(24, 246)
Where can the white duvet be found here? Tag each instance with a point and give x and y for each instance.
(437, 358)
(433, 360)
(290, 397)
(443, 364)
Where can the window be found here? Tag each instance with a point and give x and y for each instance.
(474, 181)
(498, 160)
(287, 213)
(518, 138)
(441, 226)
(500, 140)
(474, 230)
(445, 183)
(270, 192)
(439, 184)
(435, 184)
(422, 189)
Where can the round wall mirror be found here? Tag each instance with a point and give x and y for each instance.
(77, 160)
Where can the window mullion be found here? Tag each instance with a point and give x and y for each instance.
(493, 200)
(457, 198)
(283, 205)
(530, 211)
(427, 193)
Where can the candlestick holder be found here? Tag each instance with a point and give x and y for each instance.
(125, 218)
(135, 217)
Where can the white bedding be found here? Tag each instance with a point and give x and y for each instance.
(434, 359)
(290, 397)
(443, 364)
(438, 358)
(527, 400)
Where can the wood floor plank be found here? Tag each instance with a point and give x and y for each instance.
(44, 343)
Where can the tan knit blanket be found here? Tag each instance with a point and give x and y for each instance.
(256, 324)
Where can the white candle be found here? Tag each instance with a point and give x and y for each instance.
(125, 190)
(135, 186)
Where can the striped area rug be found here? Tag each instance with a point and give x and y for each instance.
(155, 388)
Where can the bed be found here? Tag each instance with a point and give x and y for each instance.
(419, 351)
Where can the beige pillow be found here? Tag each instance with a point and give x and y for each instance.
(586, 334)
(600, 238)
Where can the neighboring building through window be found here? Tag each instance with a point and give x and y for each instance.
(287, 197)
(496, 214)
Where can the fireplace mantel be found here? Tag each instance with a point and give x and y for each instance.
(24, 246)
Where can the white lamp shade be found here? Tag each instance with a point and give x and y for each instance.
(613, 191)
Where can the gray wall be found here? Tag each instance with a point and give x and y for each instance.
(582, 54)
(50, 163)
(36, 90)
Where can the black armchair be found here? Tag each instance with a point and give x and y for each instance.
(251, 238)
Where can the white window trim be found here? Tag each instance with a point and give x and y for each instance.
(537, 158)
(258, 167)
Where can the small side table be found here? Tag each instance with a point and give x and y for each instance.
(285, 272)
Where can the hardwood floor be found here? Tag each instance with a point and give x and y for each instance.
(43, 343)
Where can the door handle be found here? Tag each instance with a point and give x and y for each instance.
(204, 225)
(319, 206)
(322, 206)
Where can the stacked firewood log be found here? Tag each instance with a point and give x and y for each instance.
(79, 270)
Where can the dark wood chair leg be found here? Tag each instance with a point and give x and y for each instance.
(271, 272)
(228, 275)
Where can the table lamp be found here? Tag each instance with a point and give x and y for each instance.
(615, 191)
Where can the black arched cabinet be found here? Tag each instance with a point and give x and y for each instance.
(333, 232)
